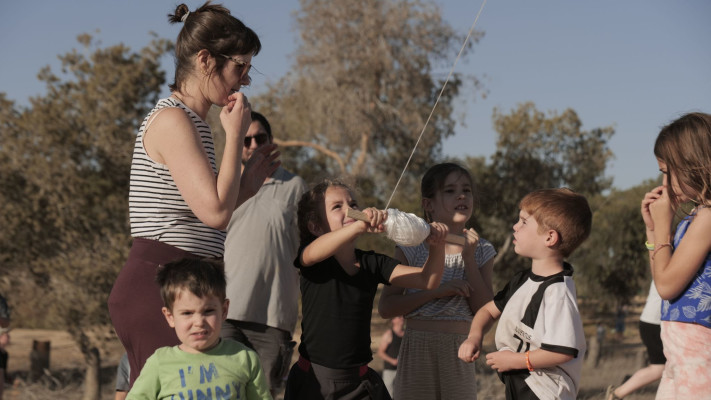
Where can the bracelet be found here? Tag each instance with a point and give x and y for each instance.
(658, 247)
(649, 246)
(528, 362)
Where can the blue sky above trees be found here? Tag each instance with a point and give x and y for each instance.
(635, 64)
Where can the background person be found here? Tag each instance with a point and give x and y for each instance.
(649, 332)
(388, 350)
(123, 373)
(4, 341)
(262, 240)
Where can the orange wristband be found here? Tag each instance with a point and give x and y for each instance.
(528, 362)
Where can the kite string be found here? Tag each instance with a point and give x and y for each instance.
(451, 71)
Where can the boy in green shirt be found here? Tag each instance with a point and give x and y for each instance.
(203, 365)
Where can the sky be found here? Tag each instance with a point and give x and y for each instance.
(635, 65)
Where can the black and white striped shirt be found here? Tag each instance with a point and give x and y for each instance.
(157, 211)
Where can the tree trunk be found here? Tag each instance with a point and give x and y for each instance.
(503, 250)
(594, 353)
(92, 382)
(39, 359)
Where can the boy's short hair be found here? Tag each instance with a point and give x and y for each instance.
(202, 277)
(562, 210)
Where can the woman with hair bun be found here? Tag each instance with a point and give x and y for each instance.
(179, 205)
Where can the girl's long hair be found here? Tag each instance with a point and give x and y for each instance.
(685, 147)
(310, 208)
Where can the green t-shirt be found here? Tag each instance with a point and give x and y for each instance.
(228, 371)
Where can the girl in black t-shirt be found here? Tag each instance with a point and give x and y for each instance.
(338, 286)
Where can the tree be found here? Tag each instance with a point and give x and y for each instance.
(64, 187)
(535, 151)
(361, 89)
(614, 259)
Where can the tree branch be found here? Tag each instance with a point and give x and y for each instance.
(317, 147)
(364, 139)
(503, 250)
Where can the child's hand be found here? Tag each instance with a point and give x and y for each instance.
(455, 287)
(503, 360)
(471, 242)
(649, 198)
(438, 232)
(661, 210)
(469, 350)
(377, 218)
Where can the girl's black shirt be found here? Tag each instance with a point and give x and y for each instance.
(337, 309)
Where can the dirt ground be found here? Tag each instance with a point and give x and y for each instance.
(621, 357)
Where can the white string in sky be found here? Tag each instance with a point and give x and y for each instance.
(451, 71)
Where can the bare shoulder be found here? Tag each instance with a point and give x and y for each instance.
(170, 118)
(169, 132)
(703, 212)
(702, 221)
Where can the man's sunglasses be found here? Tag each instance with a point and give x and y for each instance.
(261, 138)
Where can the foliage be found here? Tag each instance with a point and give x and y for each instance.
(361, 89)
(66, 161)
(353, 106)
(614, 260)
(534, 151)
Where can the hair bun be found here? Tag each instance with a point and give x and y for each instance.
(181, 14)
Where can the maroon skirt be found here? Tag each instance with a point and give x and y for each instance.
(135, 303)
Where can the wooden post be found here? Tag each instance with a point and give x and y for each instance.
(92, 381)
(39, 359)
(594, 353)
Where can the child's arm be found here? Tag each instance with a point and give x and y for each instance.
(648, 199)
(479, 279)
(385, 341)
(673, 272)
(429, 276)
(256, 388)
(483, 320)
(329, 243)
(394, 302)
(506, 360)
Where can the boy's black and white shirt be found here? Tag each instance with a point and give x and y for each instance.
(541, 312)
